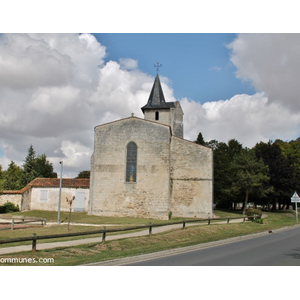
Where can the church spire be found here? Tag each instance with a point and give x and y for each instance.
(156, 96)
(157, 99)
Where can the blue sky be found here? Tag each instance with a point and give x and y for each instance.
(198, 64)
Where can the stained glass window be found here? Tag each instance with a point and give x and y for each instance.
(131, 162)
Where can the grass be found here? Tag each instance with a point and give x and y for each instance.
(157, 242)
(80, 217)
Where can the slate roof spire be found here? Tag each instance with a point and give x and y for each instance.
(156, 99)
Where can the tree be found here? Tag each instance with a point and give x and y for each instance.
(213, 144)
(251, 175)
(11, 178)
(224, 174)
(200, 140)
(36, 166)
(29, 172)
(83, 174)
(43, 168)
(284, 175)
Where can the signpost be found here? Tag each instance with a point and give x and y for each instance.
(295, 198)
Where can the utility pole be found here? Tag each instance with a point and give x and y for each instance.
(59, 198)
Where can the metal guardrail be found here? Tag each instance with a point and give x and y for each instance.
(104, 230)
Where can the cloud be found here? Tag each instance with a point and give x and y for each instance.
(247, 118)
(128, 63)
(271, 63)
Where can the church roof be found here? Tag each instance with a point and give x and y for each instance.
(156, 99)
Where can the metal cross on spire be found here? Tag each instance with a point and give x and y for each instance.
(157, 66)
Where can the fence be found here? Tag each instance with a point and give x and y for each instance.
(16, 221)
(104, 230)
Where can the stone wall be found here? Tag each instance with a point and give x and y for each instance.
(191, 179)
(11, 196)
(111, 195)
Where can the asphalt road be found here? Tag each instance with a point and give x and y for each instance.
(281, 248)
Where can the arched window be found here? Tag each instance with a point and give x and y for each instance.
(156, 115)
(131, 162)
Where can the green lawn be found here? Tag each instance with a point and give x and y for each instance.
(173, 239)
(81, 217)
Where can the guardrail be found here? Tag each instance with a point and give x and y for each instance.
(17, 221)
(104, 230)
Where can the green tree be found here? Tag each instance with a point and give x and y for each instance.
(284, 174)
(43, 168)
(11, 178)
(224, 174)
(251, 175)
(36, 166)
(213, 144)
(200, 139)
(83, 174)
(29, 172)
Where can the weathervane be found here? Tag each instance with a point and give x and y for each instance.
(157, 66)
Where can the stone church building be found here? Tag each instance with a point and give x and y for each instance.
(144, 167)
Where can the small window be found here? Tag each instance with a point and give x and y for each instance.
(156, 115)
(44, 195)
(131, 162)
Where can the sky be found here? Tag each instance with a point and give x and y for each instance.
(55, 88)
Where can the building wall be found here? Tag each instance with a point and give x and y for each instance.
(191, 179)
(111, 195)
(26, 200)
(47, 198)
(14, 198)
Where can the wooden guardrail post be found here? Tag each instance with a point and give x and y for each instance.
(34, 242)
(104, 234)
(183, 224)
(150, 228)
(12, 224)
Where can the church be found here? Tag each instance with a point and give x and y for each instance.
(145, 168)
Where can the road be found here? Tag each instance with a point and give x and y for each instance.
(281, 248)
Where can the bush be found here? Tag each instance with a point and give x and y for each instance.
(8, 207)
(259, 221)
(251, 212)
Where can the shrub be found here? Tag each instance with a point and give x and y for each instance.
(250, 212)
(8, 207)
(259, 221)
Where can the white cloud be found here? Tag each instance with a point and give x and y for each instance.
(247, 118)
(128, 63)
(271, 62)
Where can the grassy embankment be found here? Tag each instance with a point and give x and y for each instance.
(128, 247)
